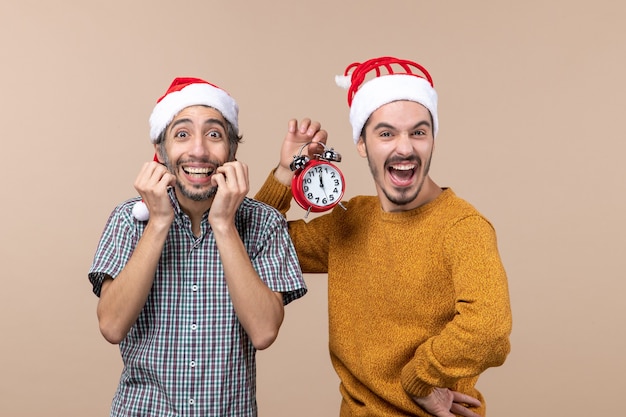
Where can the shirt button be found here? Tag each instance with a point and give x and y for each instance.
(194, 288)
(192, 401)
(194, 326)
(192, 364)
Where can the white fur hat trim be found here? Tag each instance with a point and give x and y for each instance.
(385, 89)
(192, 95)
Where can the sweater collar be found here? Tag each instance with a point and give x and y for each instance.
(398, 216)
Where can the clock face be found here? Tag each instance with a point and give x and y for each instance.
(320, 186)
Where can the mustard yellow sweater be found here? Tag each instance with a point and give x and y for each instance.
(416, 299)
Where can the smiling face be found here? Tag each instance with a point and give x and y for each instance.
(195, 143)
(398, 143)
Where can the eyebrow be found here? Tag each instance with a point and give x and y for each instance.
(206, 122)
(383, 125)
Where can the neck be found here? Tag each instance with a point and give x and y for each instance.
(427, 193)
(194, 209)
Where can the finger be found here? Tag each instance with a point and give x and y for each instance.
(168, 179)
(320, 136)
(458, 409)
(243, 175)
(237, 174)
(146, 177)
(315, 149)
(304, 125)
(459, 397)
(218, 179)
(139, 180)
(160, 177)
(229, 176)
(292, 126)
(314, 127)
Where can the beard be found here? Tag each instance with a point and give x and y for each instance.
(401, 196)
(195, 193)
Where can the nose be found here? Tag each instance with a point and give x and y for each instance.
(404, 144)
(198, 146)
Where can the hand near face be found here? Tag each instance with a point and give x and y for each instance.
(298, 134)
(443, 402)
(152, 183)
(233, 185)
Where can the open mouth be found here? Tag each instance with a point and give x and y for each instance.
(402, 174)
(198, 172)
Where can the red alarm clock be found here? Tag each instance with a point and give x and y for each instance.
(317, 184)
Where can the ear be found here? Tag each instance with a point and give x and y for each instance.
(232, 152)
(157, 157)
(361, 148)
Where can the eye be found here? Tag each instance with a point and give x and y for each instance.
(385, 134)
(182, 134)
(214, 134)
(419, 133)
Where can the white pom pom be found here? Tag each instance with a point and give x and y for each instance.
(140, 211)
(343, 81)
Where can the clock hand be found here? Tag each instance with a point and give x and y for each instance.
(322, 185)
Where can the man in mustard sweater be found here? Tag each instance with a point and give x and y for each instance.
(418, 297)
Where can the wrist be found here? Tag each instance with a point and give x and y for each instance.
(283, 175)
(159, 224)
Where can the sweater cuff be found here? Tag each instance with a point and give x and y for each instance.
(275, 194)
(412, 384)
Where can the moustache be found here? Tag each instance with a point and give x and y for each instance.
(413, 159)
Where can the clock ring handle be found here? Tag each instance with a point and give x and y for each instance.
(300, 160)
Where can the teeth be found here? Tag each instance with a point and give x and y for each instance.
(403, 167)
(193, 170)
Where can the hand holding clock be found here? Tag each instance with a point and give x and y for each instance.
(305, 160)
(297, 135)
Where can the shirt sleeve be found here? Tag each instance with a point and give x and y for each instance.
(478, 336)
(116, 245)
(275, 258)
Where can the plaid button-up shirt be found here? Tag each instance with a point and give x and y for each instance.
(187, 354)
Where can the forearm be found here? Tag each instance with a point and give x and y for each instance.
(275, 193)
(459, 352)
(259, 309)
(123, 298)
(477, 338)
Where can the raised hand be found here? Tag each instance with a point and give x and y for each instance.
(152, 183)
(299, 134)
(232, 183)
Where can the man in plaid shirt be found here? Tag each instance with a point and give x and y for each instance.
(193, 275)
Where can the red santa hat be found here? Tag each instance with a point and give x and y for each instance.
(394, 79)
(185, 92)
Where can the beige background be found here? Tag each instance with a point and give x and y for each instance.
(531, 111)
